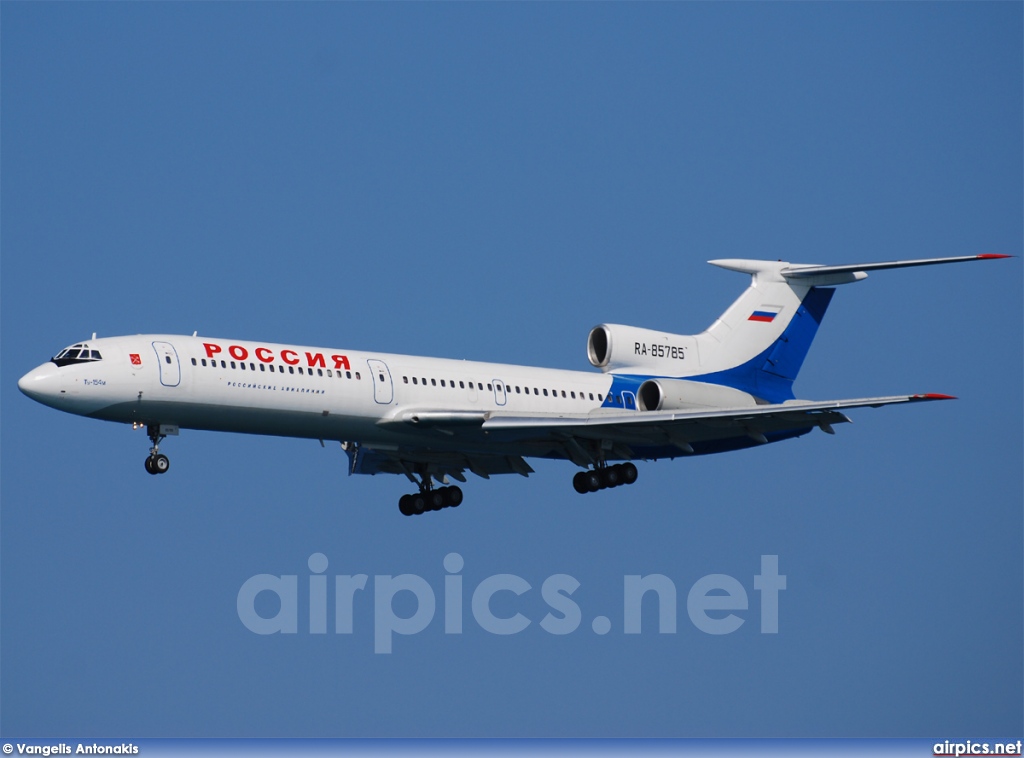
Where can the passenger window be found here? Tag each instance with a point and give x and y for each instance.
(252, 366)
(599, 397)
(572, 394)
(433, 382)
(462, 385)
(442, 382)
(348, 374)
(319, 372)
(329, 373)
(358, 376)
(291, 369)
(193, 361)
(415, 380)
(263, 367)
(241, 366)
(479, 385)
(204, 361)
(536, 391)
(545, 393)
(166, 357)
(232, 364)
(405, 380)
(381, 376)
(517, 389)
(489, 389)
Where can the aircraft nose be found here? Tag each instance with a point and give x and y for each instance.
(41, 383)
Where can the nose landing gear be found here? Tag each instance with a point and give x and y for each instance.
(157, 462)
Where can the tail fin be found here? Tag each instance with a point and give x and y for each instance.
(759, 344)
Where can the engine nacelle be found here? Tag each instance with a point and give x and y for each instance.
(680, 394)
(612, 347)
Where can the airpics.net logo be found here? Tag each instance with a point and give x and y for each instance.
(713, 603)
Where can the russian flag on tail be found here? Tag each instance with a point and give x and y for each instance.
(765, 313)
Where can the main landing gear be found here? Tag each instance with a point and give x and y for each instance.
(429, 499)
(604, 477)
(157, 462)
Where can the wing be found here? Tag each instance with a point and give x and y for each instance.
(470, 438)
(635, 434)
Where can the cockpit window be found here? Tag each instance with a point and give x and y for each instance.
(80, 353)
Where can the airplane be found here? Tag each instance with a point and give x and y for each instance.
(658, 395)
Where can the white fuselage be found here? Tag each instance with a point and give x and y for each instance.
(297, 391)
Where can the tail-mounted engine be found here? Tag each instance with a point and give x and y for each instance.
(612, 347)
(679, 394)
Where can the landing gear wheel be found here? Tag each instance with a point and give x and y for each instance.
(452, 497)
(156, 463)
(405, 505)
(593, 481)
(610, 477)
(435, 500)
(429, 498)
(579, 483)
(629, 473)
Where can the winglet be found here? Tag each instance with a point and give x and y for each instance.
(933, 396)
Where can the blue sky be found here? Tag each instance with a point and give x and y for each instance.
(489, 182)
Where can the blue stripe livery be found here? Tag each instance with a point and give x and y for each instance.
(768, 375)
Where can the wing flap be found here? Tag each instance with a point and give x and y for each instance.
(440, 419)
(434, 463)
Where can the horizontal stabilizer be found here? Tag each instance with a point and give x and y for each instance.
(801, 271)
